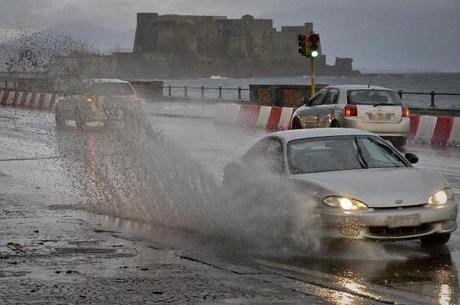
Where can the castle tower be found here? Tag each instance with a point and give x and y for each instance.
(146, 33)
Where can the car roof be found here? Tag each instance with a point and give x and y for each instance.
(106, 81)
(358, 87)
(298, 134)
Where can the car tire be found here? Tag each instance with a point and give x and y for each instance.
(60, 121)
(296, 124)
(434, 240)
(335, 124)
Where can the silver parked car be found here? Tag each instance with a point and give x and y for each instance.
(362, 187)
(95, 100)
(372, 108)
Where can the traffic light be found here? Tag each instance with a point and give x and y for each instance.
(313, 45)
(302, 44)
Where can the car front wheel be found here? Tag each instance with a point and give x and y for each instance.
(435, 239)
(296, 124)
(335, 124)
(60, 121)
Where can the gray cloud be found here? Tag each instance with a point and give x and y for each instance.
(406, 34)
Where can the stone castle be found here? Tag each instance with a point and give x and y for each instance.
(200, 46)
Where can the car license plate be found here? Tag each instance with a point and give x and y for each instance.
(404, 221)
(379, 116)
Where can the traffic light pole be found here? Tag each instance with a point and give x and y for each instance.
(313, 72)
(309, 46)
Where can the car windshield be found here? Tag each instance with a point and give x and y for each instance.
(111, 89)
(373, 97)
(340, 153)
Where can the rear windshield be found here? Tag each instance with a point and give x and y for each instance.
(373, 97)
(111, 89)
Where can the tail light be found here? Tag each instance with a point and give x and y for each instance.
(90, 99)
(350, 110)
(405, 112)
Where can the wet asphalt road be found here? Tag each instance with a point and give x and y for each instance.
(54, 252)
(29, 146)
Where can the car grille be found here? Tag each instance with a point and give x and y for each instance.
(401, 207)
(399, 232)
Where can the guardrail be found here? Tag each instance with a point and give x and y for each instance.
(432, 95)
(240, 93)
(202, 91)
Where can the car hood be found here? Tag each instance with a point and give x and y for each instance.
(379, 187)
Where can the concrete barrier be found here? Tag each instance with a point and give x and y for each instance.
(437, 130)
(254, 116)
(425, 129)
(31, 100)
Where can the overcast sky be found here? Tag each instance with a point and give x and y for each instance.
(378, 34)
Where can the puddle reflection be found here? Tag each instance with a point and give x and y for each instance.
(407, 267)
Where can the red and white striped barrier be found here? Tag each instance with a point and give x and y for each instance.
(440, 130)
(426, 129)
(254, 116)
(33, 100)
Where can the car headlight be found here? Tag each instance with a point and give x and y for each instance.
(344, 203)
(441, 197)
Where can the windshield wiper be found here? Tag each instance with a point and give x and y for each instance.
(382, 104)
(359, 155)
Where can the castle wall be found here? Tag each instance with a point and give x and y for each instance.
(196, 46)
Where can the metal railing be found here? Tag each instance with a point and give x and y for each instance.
(203, 92)
(241, 93)
(432, 95)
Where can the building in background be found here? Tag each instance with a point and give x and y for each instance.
(176, 46)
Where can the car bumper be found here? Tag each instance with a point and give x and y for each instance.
(106, 113)
(400, 129)
(380, 224)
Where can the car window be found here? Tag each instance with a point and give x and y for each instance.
(378, 154)
(340, 153)
(255, 152)
(318, 98)
(72, 88)
(266, 155)
(331, 97)
(111, 89)
(274, 156)
(373, 97)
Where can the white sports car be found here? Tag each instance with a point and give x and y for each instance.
(363, 188)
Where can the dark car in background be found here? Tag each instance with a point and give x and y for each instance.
(95, 101)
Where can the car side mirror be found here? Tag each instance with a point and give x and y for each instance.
(412, 158)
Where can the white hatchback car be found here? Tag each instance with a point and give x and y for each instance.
(372, 108)
(360, 186)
